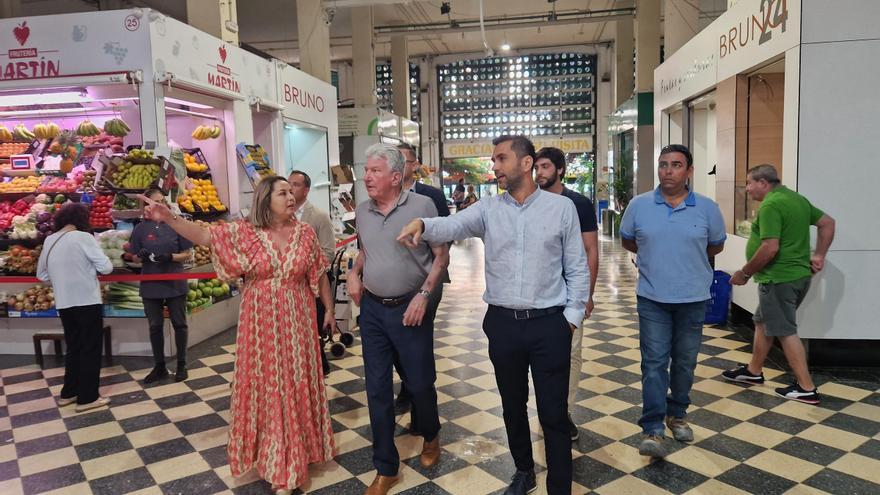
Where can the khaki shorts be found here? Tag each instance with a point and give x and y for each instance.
(778, 304)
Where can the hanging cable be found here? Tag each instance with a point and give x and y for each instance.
(489, 51)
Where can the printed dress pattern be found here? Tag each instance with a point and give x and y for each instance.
(280, 422)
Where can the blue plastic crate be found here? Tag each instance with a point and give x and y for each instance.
(719, 303)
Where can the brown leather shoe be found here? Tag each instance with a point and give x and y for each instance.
(430, 453)
(382, 484)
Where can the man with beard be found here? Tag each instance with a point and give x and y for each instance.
(537, 282)
(549, 173)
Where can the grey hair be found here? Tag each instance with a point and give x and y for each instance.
(392, 156)
(764, 172)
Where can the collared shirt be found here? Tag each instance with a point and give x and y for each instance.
(673, 263)
(323, 226)
(159, 238)
(391, 269)
(534, 253)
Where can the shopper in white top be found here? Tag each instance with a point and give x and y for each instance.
(71, 259)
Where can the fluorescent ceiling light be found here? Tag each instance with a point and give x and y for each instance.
(505, 46)
(18, 100)
(187, 103)
(61, 111)
(187, 112)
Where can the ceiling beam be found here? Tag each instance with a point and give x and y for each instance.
(336, 4)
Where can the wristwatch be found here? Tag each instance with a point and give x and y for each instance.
(425, 293)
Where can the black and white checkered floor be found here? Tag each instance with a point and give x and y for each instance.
(171, 438)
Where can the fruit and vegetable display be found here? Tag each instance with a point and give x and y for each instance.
(85, 179)
(5, 135)
(255, 161)
(87, 128)
(9, 149)
(202, 198)
(21, 185)
(104, 140)
(113, 243)
(10, 210)
(99, 213)
(20, 259)
(202, 255)
(65, 146)
(202, 292)
(37, 298)
(56, 185)
(193, 165)
(116, 128)
(124, 295)
(203, 132)
(124, 202)
(21, 133)
(49, 130)
(127, 175)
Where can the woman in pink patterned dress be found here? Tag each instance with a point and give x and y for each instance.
(280, 419)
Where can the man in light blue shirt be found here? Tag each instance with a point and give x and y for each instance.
(537, 284)
(674, 231)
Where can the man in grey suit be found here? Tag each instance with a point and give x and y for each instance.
(300, 185)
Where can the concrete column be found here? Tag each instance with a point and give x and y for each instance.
(400, 76)
(314, 39)
(112, 5)
(10, 8)
(680, 24)
(363, 56)
(647, 43)
(624, 71)
(214, 17)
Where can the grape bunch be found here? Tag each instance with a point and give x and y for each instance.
(118, 52)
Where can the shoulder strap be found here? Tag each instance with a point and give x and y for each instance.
(48, 253)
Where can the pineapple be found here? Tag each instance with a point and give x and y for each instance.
(66, 145)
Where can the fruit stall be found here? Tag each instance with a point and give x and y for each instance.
(140, 100)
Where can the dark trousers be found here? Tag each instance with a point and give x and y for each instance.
(544, 345)
(83, 332)
(404, 394)
(319, 323)
(156, 319)
(383, 336)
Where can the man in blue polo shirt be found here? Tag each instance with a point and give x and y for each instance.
(674, 231)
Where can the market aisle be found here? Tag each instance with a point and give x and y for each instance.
(171, 438)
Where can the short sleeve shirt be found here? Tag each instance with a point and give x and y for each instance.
(672, 260)
(390, 268)
(159, 238)
(585, 210)
(785, 215)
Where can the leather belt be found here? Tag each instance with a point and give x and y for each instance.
(527, 314)
(391, 302)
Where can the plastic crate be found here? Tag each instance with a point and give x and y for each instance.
(719, 303)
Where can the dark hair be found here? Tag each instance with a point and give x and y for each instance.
(679, 148)
(306, 179)
(261, 212)
(76, 214)
(765, 172)
(520, 145)
(408, 147)
(555, 155)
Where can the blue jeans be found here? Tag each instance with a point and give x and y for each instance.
(669, 336)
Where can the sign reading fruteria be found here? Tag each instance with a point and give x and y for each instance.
(90, 44)
(471, 149)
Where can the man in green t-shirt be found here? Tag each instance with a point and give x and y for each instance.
(779, 258)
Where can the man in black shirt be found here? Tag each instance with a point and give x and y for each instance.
(549, 174)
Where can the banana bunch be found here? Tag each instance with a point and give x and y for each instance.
(116, 128)
(87, 129)
(5, 135)
(203, 132)
(47, 131)
(22, 133)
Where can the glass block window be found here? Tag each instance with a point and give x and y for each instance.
(535, 95)
(383, 89)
